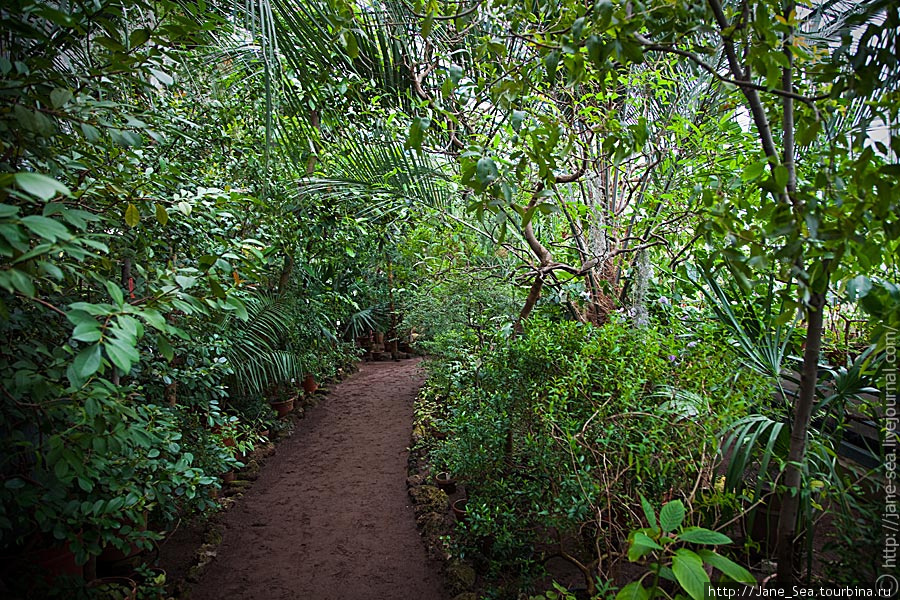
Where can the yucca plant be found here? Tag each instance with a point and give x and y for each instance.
(760, 338)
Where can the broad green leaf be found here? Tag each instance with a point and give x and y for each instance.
(154, 319)
(699, 535)
(122, 354)
(551, 61)
(641, 545)
(162, 215)
(87, 331)
(516, 119)
(671, 515)
(781, 176)
(577, 28)
(633, 591)
(753, 171)
(87, 361)
(649, 513)
(115, 292)
(351, 45)
(427, 25)
(89, 308)
(858, 287)
(238, 307)
(138, 37)
(132, 215)
(163, 77)
(417, 132)
(486, 170)
(688, 570)
(727, 566)
(456, 73)
(91, 407)
(21, 281)
(91, 133)
(41, 186)
(61, 469)
(643, 539)
(47, 228)
(165, 348)
(59, 97)
(184, 282)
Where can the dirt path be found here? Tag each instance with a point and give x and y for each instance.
(329, 517)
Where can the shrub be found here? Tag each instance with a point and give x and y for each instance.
(559, 432)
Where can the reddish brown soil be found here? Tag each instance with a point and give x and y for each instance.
(329, 517)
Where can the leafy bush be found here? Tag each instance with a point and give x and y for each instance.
(560, 431)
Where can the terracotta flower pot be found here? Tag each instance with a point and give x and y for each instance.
(283, 408)
(113, 556)
(56, 561)
(309, 384)
(229, 476)
(459, 509)
(445, 482)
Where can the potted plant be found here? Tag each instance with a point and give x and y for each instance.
(459, 509)
(310, 385)
(445, 482)
(281, 397)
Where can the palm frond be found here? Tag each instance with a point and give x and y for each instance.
(259, 353)
(385, 172)
(760, 340)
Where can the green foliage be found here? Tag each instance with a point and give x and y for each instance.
(142, 249)
(669, 550)
(563, 428)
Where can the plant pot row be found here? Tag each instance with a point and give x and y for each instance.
(284, 407)
(447, 483)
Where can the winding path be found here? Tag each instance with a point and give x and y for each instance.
(329, 517)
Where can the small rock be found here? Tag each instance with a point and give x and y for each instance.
(460, 576)
(265, 451)
(432, 524)
(251, 471)
(428, 498)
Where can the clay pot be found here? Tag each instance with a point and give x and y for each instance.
(229, 476)
(459, 509)
(764, 518)
(56, 561)
(283, 408)
(445, 482)
(113, 556)
(309, 384)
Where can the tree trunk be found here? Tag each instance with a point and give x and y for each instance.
(790, 501)
(392, 327)
(286, 270)
(533, 295)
